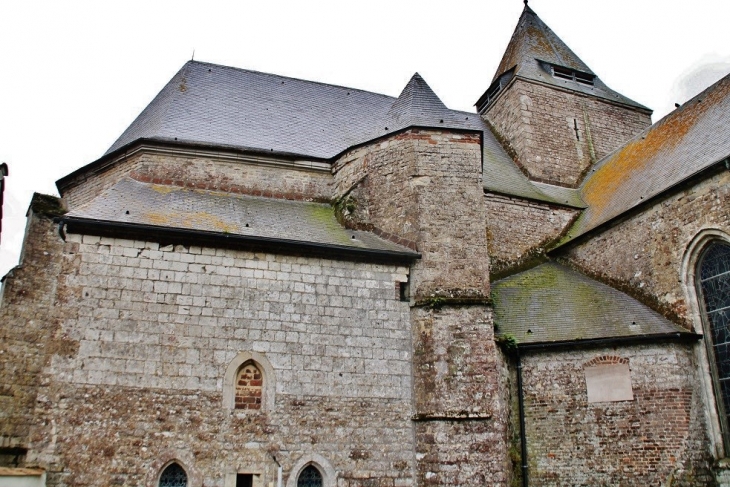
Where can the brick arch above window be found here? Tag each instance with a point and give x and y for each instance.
(242, 381)
(606, 360)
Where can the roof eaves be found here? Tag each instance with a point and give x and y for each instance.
(608, 341)
(158, 233)
(111, 158)
(405, 129)
(537, 197)
(620, 99)
(570, 240)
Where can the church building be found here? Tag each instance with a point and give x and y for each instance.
(272, 282)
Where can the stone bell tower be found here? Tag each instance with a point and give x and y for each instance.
(554, 115)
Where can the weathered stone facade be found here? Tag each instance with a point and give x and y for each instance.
(150, 328)
(348, 315)
(520, 230)
(644, 254)
(26, 337)
(556, 135)
(459, 396)
(199, 169)
(657, 438)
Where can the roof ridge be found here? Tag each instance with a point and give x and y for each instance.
(274, 75)
(164, 120)
(161, 99)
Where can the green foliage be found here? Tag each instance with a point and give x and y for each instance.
(435, 302)
(508, 342)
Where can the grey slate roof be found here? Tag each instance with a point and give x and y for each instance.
(551, 303)
(131, 201)
(688, 140)
(418, 105)
(501, 175)
(229, 107)
(532, 42)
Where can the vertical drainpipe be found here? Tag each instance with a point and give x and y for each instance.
(521, 406)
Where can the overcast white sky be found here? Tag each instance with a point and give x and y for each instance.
(76, 73)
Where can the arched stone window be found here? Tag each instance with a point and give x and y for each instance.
(712, 279)
(312, 470)
(173, 476)
(249, 383)
(249, 386)
(310, 477)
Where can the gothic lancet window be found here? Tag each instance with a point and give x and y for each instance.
(310, 477)
(713, 282)
(173, 476)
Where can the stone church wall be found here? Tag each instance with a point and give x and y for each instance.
(424, 187)
(518, 229)
(643, 254)
(655, 439)
(28, 328)
(150, 332)
(208, 172)
(556, 135)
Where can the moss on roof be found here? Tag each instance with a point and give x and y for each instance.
(551, 303)
(47, 205)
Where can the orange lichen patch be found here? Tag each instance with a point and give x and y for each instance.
(643, 154)
(164, 189)
(540, 43)
(200, 220)
(158, 219)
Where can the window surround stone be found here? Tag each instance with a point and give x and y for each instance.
(165, 459)
(329, 475)
(269, 382)
(690, 261)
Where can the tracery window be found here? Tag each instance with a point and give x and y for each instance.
(713, 282)
(310, 477)
(173, 476)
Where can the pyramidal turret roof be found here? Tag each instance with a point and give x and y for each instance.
(533, 39)
(535, 50)
(418, 105)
